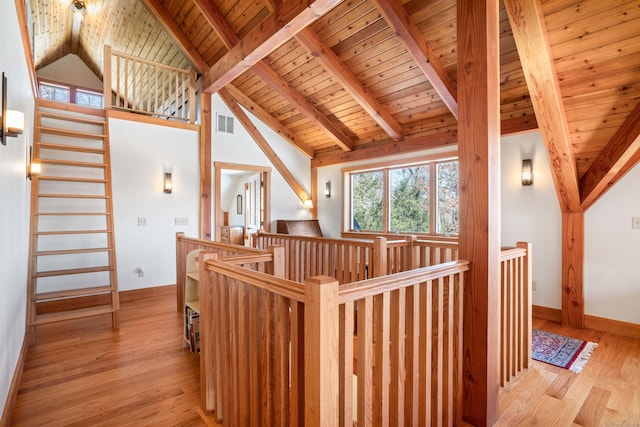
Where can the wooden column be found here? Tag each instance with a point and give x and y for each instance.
(572, 267)
(205, 167)
(321, 359)
(479, 155)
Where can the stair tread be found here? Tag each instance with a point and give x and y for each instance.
(64, 107)
(71, 213)
(51, 115)
(53, 273)
(71, 293)
(71, 251)
(69, 179)
(56, 233)
(73, 314)
(72, 196)
(72, 163)
(71, 133)
(65, 147)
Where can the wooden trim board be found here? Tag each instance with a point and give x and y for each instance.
(612, 326)
(15, 385)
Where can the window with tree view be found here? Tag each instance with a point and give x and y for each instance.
(419, 198)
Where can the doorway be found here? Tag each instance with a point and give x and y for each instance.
(241, 198)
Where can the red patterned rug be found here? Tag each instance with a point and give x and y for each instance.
(565, 352)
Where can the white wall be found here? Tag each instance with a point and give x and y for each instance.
(240, 148)
(71, 70)
(532, 214)
(14, 205)
(140, 154)
(612, 253)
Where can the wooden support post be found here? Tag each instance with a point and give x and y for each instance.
(572, 267)
(207, 361)
(379, 267)
(527, 278)
(321, 359)
(205, 168)
(180, 273)
(192, 96)
(106, 78)
(479, 157)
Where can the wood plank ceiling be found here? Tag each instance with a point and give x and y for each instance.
(370, 77)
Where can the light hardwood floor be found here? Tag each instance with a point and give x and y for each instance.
(81, 373)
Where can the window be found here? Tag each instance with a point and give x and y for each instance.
(54, 92)
(88, 99)
(71, 94)
(418, 198)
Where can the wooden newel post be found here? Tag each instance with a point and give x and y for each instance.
(379, 267)
(321, 358)
(527, 278)
(207, 350)
(180, 272)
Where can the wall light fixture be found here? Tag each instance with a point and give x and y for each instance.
(327, 189)
(527, 172)
(12, 121)
(32, 168)
(168, 185)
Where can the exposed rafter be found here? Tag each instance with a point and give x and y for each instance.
(263, 144)
(323, 53)
(268, 119)
(612, 160)
(398, 19)
(530, 33)
(285, 22)
(262, 69)
(183, 41)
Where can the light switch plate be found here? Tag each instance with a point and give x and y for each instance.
(181, 220)
(142, 220)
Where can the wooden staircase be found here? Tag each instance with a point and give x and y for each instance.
(72, 265)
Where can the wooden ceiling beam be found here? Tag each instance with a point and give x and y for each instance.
(428, 142)
(323, 53)
(530, 34)
(613, 161)
(400, 21)
(228, 36)
(268, 120)
(183, 41)
(285, 22)
(263, 144)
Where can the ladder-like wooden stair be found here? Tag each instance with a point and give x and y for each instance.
(72, 267)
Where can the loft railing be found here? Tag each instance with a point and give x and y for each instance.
(145, 87)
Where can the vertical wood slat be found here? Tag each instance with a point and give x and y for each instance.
(365, 360)
(106, 78)
(346, 364)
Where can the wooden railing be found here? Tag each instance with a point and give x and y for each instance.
(515, 311)
(184, 245)
(282, 353)
(137, 85)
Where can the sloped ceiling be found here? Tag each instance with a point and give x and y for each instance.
(376, 76)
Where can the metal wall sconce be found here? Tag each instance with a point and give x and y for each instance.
(527, 172)
(327, 189)
(12, 121)
(168, 185)
(32, 168)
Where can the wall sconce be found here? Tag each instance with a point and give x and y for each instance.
(168, 186)
(12, 121)
(308, 204)
(32, 168)
(327, 189)
(527, 172)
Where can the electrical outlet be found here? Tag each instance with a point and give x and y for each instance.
(534, 285)
(140, 271)
(181, 220)
(142, 220)
(635, 222)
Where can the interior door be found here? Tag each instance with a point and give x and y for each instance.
(254, 213)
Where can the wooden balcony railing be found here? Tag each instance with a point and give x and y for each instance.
(140, 86)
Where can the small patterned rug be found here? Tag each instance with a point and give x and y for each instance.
(558, 350)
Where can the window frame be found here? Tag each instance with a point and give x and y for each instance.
(347, 204)
(73, 90)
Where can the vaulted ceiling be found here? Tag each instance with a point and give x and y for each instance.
(361, 78)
